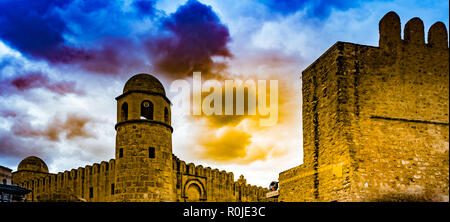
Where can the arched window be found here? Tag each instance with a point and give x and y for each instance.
(147, 110)
(124, 111)
(4, 181)
(166, 115)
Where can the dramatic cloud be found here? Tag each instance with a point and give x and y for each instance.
(50, 31)
(227, 145)
(197, 35)
(32, 27)
(74, 126)
(62, 63)
(36, 80)
(17, 148)
(177, 44)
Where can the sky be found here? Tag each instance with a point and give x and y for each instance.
(62, 63)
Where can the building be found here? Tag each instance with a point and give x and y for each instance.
(376, 120)
(144, 167)
(9, 192)
(5, 175)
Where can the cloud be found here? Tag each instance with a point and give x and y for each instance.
(19, 147)
(34, 80)
(242, 144)
(53, 32)
(103, 37)
(227, 145)
(195, 36)
(145, 7)
(73, 127)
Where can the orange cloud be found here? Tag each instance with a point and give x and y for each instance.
(240, 139)
(226, 145)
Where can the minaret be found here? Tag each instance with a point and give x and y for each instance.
(144, 169)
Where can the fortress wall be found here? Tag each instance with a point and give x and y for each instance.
(218, 185)
(79, 184)
(375, 119)
(296, 184)
(325, 172)
(74, 185)
(401, 132)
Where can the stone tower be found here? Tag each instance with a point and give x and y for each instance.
(376, 119)
(144, 170)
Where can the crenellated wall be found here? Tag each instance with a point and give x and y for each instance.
(144, 168)
(91, 183)
(215, 185)
(95, 183)
(375, 119)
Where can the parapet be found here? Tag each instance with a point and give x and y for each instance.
(390, 33)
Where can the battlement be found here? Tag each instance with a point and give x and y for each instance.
(78, 184)
(375, 118)
(219, 184)
(390, 33)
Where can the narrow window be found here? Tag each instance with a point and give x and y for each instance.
(91, 192)
(112, 189)
(120, 153)
(124, 111)
(4, 181)
(151, 152)
(147, 110)
(166, 115)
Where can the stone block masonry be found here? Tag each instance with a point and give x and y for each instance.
(376, 120)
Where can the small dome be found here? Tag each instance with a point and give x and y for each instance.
(33, 163)
(144, 82)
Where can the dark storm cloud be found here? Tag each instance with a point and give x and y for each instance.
(196, 35)
(37, 29)
(96, 36)
(32, 27)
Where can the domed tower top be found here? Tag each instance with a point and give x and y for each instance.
(34, 164)
(144, 82)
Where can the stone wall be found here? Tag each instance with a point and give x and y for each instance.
(96, 184)
(375, 119)
(91, 183)
(216, 186)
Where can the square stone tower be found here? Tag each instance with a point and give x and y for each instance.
(376, 120)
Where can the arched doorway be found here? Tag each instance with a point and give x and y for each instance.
(193, 193)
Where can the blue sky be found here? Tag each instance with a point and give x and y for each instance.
(62, 63)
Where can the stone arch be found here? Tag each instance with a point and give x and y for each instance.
(147, 110)
(194, 191)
